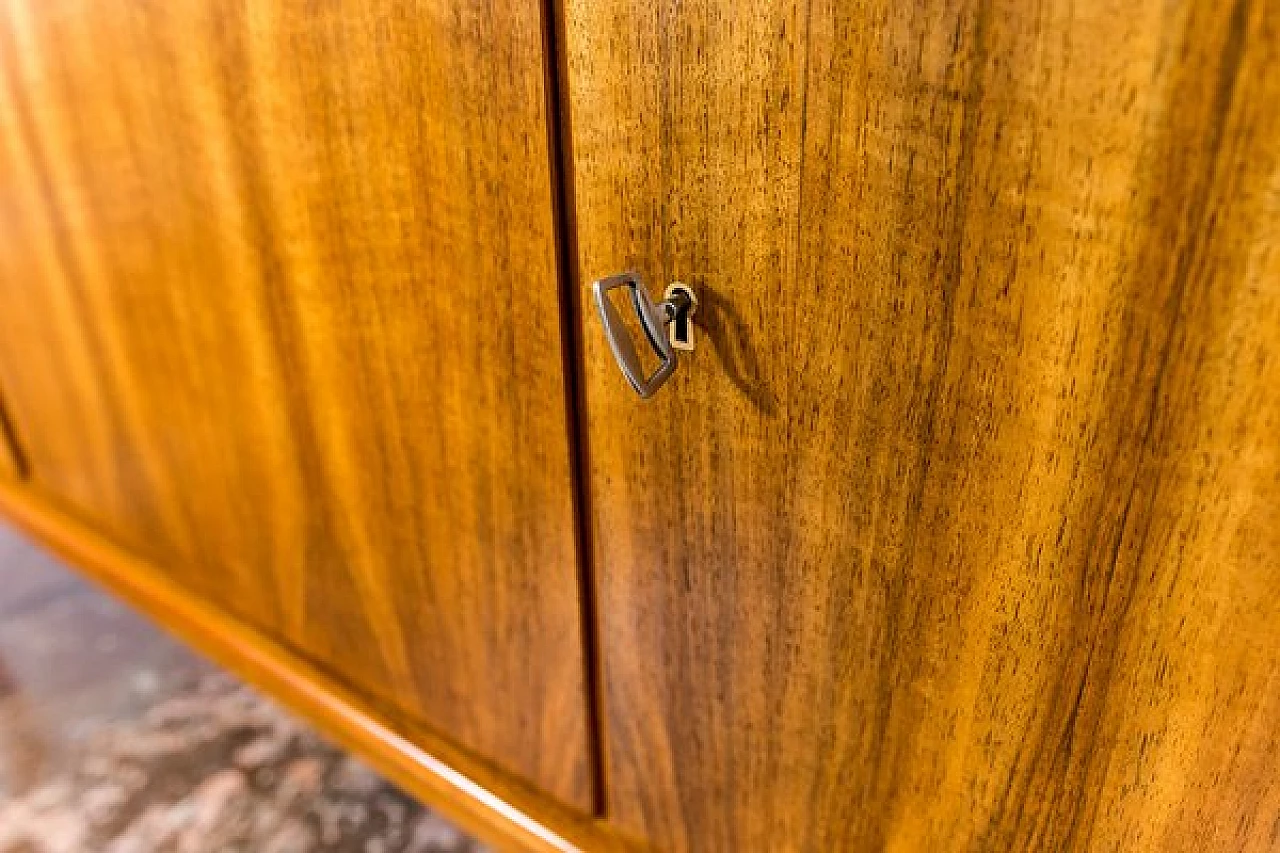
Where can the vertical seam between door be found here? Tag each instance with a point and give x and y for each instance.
(560, 150)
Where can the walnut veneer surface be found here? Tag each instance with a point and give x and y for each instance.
(961, 528)
(280, 314)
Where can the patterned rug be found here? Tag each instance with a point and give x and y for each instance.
(217, 769)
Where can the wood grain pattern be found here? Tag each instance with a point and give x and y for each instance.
(490, 805)
(961, 530)
(278, 310)
(11, 464)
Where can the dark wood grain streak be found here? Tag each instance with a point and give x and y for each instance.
(960, 530)
(12, 462)
(278, 311)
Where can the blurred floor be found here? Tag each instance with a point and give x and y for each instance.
(113, 737)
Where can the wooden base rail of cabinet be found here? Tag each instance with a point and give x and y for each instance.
(416, 765)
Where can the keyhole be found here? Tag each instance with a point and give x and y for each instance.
(680, 331)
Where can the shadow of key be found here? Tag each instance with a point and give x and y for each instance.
(730, 337)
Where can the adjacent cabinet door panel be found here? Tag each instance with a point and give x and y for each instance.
(279, 310)
(960, 530)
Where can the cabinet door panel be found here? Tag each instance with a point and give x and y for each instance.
(959, 529)
(279, 309)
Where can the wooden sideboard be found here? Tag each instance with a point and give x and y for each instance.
(959, 528)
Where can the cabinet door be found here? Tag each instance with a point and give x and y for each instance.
(278, 308)
(959, 529)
